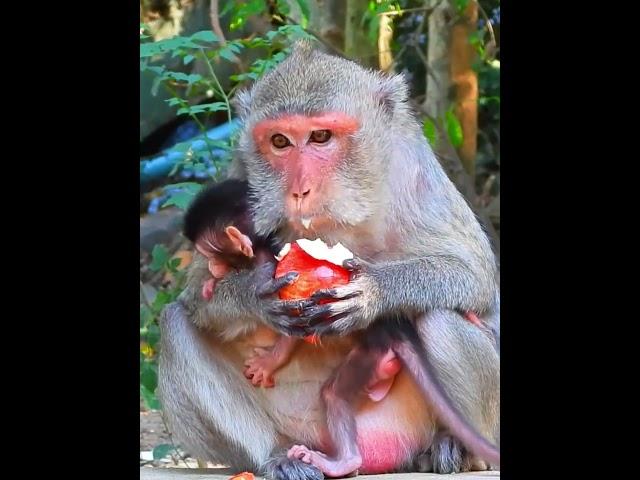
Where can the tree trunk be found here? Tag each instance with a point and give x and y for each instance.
(438, 63)
(325, 20)
(465, 82)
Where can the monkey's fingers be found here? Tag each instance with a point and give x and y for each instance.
(340, 325)
(328, 313)
(291, 327)
(274, 285)
(340, 293)
(353, 264)
(289, 307)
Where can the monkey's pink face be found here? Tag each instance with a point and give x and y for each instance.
(306, 150)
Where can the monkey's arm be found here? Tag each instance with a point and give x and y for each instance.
(415, 285)
(239, 295)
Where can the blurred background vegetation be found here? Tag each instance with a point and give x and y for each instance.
(195, 54)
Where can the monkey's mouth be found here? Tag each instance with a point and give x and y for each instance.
(306, 222)
(304, 225)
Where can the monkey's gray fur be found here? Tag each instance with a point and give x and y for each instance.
(421, 247)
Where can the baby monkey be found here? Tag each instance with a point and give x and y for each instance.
(218, 222)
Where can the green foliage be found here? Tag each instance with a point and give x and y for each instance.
(150, 310)
(453, 127)
(371, 18)
(430, 132)
(162, 450)
(187, 91)
(461, 4)
(185, 87)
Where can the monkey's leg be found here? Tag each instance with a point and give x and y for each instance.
(211, 409)
(467, 366)
(339, 393)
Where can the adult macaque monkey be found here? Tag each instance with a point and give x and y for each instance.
(331, 150)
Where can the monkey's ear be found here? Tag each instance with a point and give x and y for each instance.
(241, 102)
(393, 90)
(239, 242)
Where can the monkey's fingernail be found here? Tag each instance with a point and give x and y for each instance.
(350, 264)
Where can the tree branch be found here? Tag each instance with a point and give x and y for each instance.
(215, 21)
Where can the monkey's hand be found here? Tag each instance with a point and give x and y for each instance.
(412, 285)
(352, 307)
(281, 315)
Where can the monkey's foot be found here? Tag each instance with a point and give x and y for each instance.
(330, 467)
(260, 367)
(283, 468)
(447, 455)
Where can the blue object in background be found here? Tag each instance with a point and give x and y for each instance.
(161, 165)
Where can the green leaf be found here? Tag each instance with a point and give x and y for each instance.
(162, 298)
(149, 398)
(160, 256)
(283, 7)
(205, 36)
(181, 200)
(162, 451)
(188, 59)
(191, 187)
(149, 376)
(228, 6)
(193, 78)
(146, 316)
(461, 4)
(205, 107)
(475, 39)
(374, 26)
(454, 129)
(306, 12)
(153, 335)
(227, 54)
(173, 264)
(430, 132)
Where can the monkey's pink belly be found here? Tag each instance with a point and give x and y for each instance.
(382, 452)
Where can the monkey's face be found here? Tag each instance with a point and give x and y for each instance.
(318, 135)
(306, 153)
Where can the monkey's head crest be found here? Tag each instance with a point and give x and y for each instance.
(310, 81)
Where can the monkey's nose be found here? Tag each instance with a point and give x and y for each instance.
(301, 195)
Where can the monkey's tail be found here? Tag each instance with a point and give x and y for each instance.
(413, 355)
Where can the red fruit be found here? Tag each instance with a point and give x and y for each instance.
(243, 476)
(313, 275)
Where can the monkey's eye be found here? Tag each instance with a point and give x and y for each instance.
(320, 136)
(280, 141)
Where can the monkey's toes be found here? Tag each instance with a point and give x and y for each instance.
(296, 451)
(283, 468)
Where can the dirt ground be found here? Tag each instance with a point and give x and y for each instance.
(152, 430)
